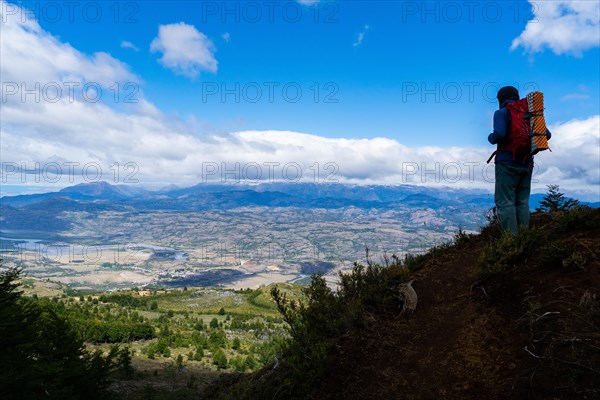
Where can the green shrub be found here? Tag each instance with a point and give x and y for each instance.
(238, 364)
(578, 218)
(220, 359)
(250, 362)
(575, 260)
(316, 323)
(313, 327)
(199, 326)
(461, 238)
(199, 354)
(150, 352)
(217, 339)
(553, 254)
(508, 249)
(415, 262)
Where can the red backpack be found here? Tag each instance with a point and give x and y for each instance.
(527, 130)
(518, 140)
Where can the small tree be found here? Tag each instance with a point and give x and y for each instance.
(125, 363)
(236, 344)
(250, 362)
(220, 359)
(238, 364)
(151, 352)
(217, 339)
(180, 361)
(42, 354)
(554, 200)
(199, 326)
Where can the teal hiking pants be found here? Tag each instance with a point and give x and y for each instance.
(513, 185)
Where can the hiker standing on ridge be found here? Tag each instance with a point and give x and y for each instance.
(514, 164)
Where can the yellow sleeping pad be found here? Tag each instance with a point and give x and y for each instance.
(535, 104)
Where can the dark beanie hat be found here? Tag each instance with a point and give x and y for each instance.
(507, 93)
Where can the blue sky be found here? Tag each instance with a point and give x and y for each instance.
(406, 44)
(373, 58)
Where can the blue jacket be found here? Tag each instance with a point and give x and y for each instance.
(501, 130)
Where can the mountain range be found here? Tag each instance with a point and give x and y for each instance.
(42, 211)
(224, 196)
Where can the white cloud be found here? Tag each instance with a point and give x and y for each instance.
(128, 45)
(184, 49)
(575, 152)
(564, 26)
(361, 36)
(30, 55)
(226, 37)
(308, 2)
